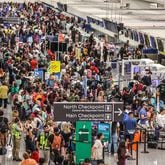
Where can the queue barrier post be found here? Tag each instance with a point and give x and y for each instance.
(145, 139)
(145, 142)
(137, 151)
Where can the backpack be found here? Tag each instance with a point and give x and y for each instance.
(3, 126)
(57, 142)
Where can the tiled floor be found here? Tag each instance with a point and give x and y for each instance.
(154, 157)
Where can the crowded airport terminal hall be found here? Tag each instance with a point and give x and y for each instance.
(82, 82)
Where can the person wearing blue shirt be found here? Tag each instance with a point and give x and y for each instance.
(143, 115)
(143, 119)
(130, 126)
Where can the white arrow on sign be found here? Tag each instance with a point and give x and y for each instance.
(119, 112)
(83, 133)
(155, 162)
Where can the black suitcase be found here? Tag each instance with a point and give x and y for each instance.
(152, 143)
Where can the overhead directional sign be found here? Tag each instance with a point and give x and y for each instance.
(81, 111)
(10, 20)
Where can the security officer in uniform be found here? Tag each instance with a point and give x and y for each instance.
(17, 129)
(43, 144)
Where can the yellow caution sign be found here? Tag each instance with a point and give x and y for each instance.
(54, 67)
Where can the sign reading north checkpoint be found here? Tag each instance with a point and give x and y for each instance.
(88, 111)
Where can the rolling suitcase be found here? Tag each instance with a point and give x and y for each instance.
(152, 143)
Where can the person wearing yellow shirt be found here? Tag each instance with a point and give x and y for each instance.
(16, 130)
(4, 94)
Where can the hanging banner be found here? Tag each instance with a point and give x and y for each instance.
(54, 67)
(58, 75)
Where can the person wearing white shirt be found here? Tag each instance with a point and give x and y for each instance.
(161, 119)
(97, 149)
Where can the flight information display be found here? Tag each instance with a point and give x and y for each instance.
(160, 45)
(95, 21)
(153, 42)
(147, 41)
(112, 26)
(141, 38)
(136, 36)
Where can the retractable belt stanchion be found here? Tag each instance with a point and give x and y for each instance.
(137, 151)
(145, 142)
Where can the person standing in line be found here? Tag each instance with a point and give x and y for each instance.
(130, 131)
(130, 126)
(17, 129)
(4, 94)
(97, 149)
(143, 119)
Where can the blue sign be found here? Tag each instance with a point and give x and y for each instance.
(104, 128)
(38, 73)
(150, 51)
(58, 75)
(136, 69)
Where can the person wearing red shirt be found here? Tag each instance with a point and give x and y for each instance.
(34, 63)
(93, 68)
(137, 87)
(35, 156)
(52, 55)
